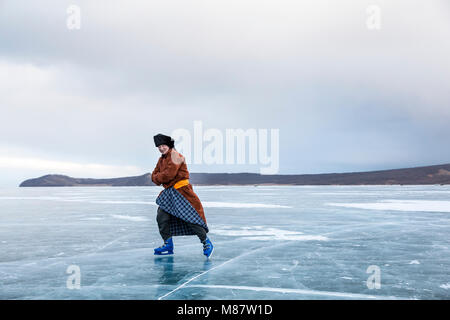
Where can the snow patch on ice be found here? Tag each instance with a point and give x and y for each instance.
(288, 238)
(122, 202)
(30, 198)
(213, 204)
(445, 286)
(400, 205)
(266, 234)
(253, 231)
(130, 218)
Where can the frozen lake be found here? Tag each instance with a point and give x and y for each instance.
(283, 242)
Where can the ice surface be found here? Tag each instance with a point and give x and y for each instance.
(286, 242)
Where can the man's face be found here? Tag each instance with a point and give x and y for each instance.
(163, 148)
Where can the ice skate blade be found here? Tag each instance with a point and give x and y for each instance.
(207, 258)
(163, 253)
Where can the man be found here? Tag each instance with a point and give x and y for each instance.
(180, 211)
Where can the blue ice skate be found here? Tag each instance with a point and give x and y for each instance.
(208, 248)
(165, 249)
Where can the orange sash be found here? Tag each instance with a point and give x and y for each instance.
(181, 183)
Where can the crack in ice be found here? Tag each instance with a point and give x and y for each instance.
(299, 291)
(220, 265)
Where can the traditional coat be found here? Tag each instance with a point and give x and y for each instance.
(170, 169)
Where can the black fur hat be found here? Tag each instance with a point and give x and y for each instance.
(163, 139)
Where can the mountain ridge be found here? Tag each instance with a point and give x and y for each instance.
(434, 174)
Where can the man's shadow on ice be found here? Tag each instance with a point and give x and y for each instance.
(168, 276)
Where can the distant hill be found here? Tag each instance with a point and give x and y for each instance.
(436, 174)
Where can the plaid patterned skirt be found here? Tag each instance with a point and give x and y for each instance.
(181, 211)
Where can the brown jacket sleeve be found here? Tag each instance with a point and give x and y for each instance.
(155, 172)
(173, 163)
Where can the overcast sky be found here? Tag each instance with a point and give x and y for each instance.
(87, 102)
